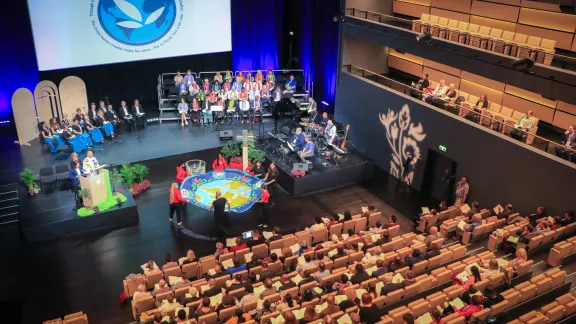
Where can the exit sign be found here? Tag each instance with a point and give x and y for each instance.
(442, 148)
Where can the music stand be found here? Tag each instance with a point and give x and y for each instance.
(216, 109)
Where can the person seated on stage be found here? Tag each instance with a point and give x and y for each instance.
(107, 126)
(239, 77)
(137, 109)
(227, 87)
(79, 116)
(207, 115)
(213, 97)
(312, 109)
(265, 94)
(298, 140)
(247, 85)
(48, 137)
(181, 173)
(231, 109)
(257, 86)
(248, 77)
(126, 115)
(526, 123)
(277, 95)
(308, 150)
(237, 85)
(290, 86)
(112, 117)
(257, 109)
(78, 132)
(183, 89)
(218, 78)
(93, 112)
(194, 89)
(206, 87)
(178, 78)
(270, 79)
(220, 163)
(217, 86)
(188, 78)
(243, 94)
(78, 145)
(331, 136)
(568, 141)
(195, 113)
(220, 114)
(102, 106)
(222, 95)
(93, 130)
(55, 128)
(245, 111)
(324, 120)
(183, 111)
(259, 76)
(228, 76)
(440, 91)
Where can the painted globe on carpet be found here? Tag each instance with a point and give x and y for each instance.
(241, 189)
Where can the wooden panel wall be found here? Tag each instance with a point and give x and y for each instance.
(533, 18)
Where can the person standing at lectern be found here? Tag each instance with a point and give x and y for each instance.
(90, 164)
(74, 176)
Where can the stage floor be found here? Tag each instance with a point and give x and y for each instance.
(156, 141)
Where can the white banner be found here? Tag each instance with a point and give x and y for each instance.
(72, 33)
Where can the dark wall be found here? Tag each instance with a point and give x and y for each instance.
(131, 80)
(500, 170)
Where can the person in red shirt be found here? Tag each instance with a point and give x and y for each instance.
(181, 173)
(176, 202)
(220, 163)
(263, 203)
(474, 307)
(239, 245)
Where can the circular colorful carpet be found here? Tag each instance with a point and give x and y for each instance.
(241, 189)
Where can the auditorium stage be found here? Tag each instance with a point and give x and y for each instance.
(45, 217)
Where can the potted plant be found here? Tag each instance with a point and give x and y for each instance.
(140, 172)
(86, 196)
(128, 176)
(115, 179)
(29, 178)
(231, 149)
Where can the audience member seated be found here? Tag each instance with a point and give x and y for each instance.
(507, 212)
(218, 272)
(169, 263)
(475, 277)
(236, 268)
(319, 225)
(140, 293)
(267, 308)
(369, 313)
(184, 282)
(213, 290)
(438, 92)
(190, 257)
(266, 273)
(275, 235)
(322, 271)
(254, 262)
(525, 123)
(306, 278)
(568, 140)
(471, 309)
(162, 288)
(491, 297)
(170, 303)
(286, 283)
(351, 300)
(248, 297)
(205, 308)
(422, 84)
(255, 240)
(194, 296)
(380, 269)
(414, 258)
(391, 222)
(476, 221)
(240, 245)
(433, 251)
(220, 249)
(474, 209)
(269, 289)
(389, 286)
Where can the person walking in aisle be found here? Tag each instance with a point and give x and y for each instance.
(176, 202)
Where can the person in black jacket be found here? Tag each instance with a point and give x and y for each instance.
(360, 275)
(414, 258)
(389, 286)
(112, 117)
(491, 297)
(126, 116)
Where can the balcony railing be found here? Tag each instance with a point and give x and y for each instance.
(484, 42)
(479, 116)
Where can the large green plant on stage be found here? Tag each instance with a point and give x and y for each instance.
(234, 149)
(29, 178)
(128, 174)
(140, 171)
(231, 149)
(135, 178)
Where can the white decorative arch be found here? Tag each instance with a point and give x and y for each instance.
(73, 95)
(24, 115)
(47, 100)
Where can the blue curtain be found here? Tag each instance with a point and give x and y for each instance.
(256, 34)
(319, 46)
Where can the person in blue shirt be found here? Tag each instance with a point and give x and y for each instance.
(308, 150)
(290, 85)
(237, 86)
(298, 140)
(236, 268)
(188, 78)
(74, 176)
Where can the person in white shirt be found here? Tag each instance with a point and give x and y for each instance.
(277, 94)
(178, 79)
(257, 107)
(317, 226)
(90, 163)
(245, 111)
(440, 90)
(183, 111)
(194, 89)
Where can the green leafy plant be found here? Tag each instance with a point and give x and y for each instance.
(231, 149)
(256, 155)
(140, 172)
(115, 179)
(29, 178)
(128, 174)
(85, 193)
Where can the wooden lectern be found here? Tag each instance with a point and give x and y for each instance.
(99, 187)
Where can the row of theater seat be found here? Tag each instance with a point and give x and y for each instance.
(489, 225)
(433, 220)
(76, 318)
(495, 116)
(561, 250)
(492, 39)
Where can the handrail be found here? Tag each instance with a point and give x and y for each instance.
(516, 50)
(408, 90)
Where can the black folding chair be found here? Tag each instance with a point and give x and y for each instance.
(62, 174)
(47, 176)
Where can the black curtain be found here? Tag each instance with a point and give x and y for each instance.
(137, 80)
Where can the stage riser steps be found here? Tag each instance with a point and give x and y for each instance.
(9, 205)
(173, 116)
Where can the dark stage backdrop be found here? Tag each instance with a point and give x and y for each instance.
(128, 81)
(386, 124)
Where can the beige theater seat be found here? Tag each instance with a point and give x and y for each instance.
(507, 38)
(462, 30)
(549, 47)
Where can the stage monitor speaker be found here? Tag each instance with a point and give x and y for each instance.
(226, 134)
(300, 166)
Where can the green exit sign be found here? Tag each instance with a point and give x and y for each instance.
(442, 148)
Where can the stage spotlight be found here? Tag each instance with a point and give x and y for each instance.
(291, 33)
(425, 37)
(523, 64)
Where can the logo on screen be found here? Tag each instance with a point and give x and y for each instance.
(136, 22)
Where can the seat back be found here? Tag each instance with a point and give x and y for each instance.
(336, 229)
(520, 38)
(534, 41)
(462, 25)
(453, 23)
(484, 30)
(496, 33)
(208, 318)
(191, 269)
(152, 278)
(206, 263)
(443, 21)
(360, 224)
(473, 28)
(548, 44)
(319, 236)
(425, 17)
(240, 255)
(433, 19)
(348, 225)
(172, 272)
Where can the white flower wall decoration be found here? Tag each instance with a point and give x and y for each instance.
(402, 137)
(131, 11)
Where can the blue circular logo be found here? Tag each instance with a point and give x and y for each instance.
(137, 22)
